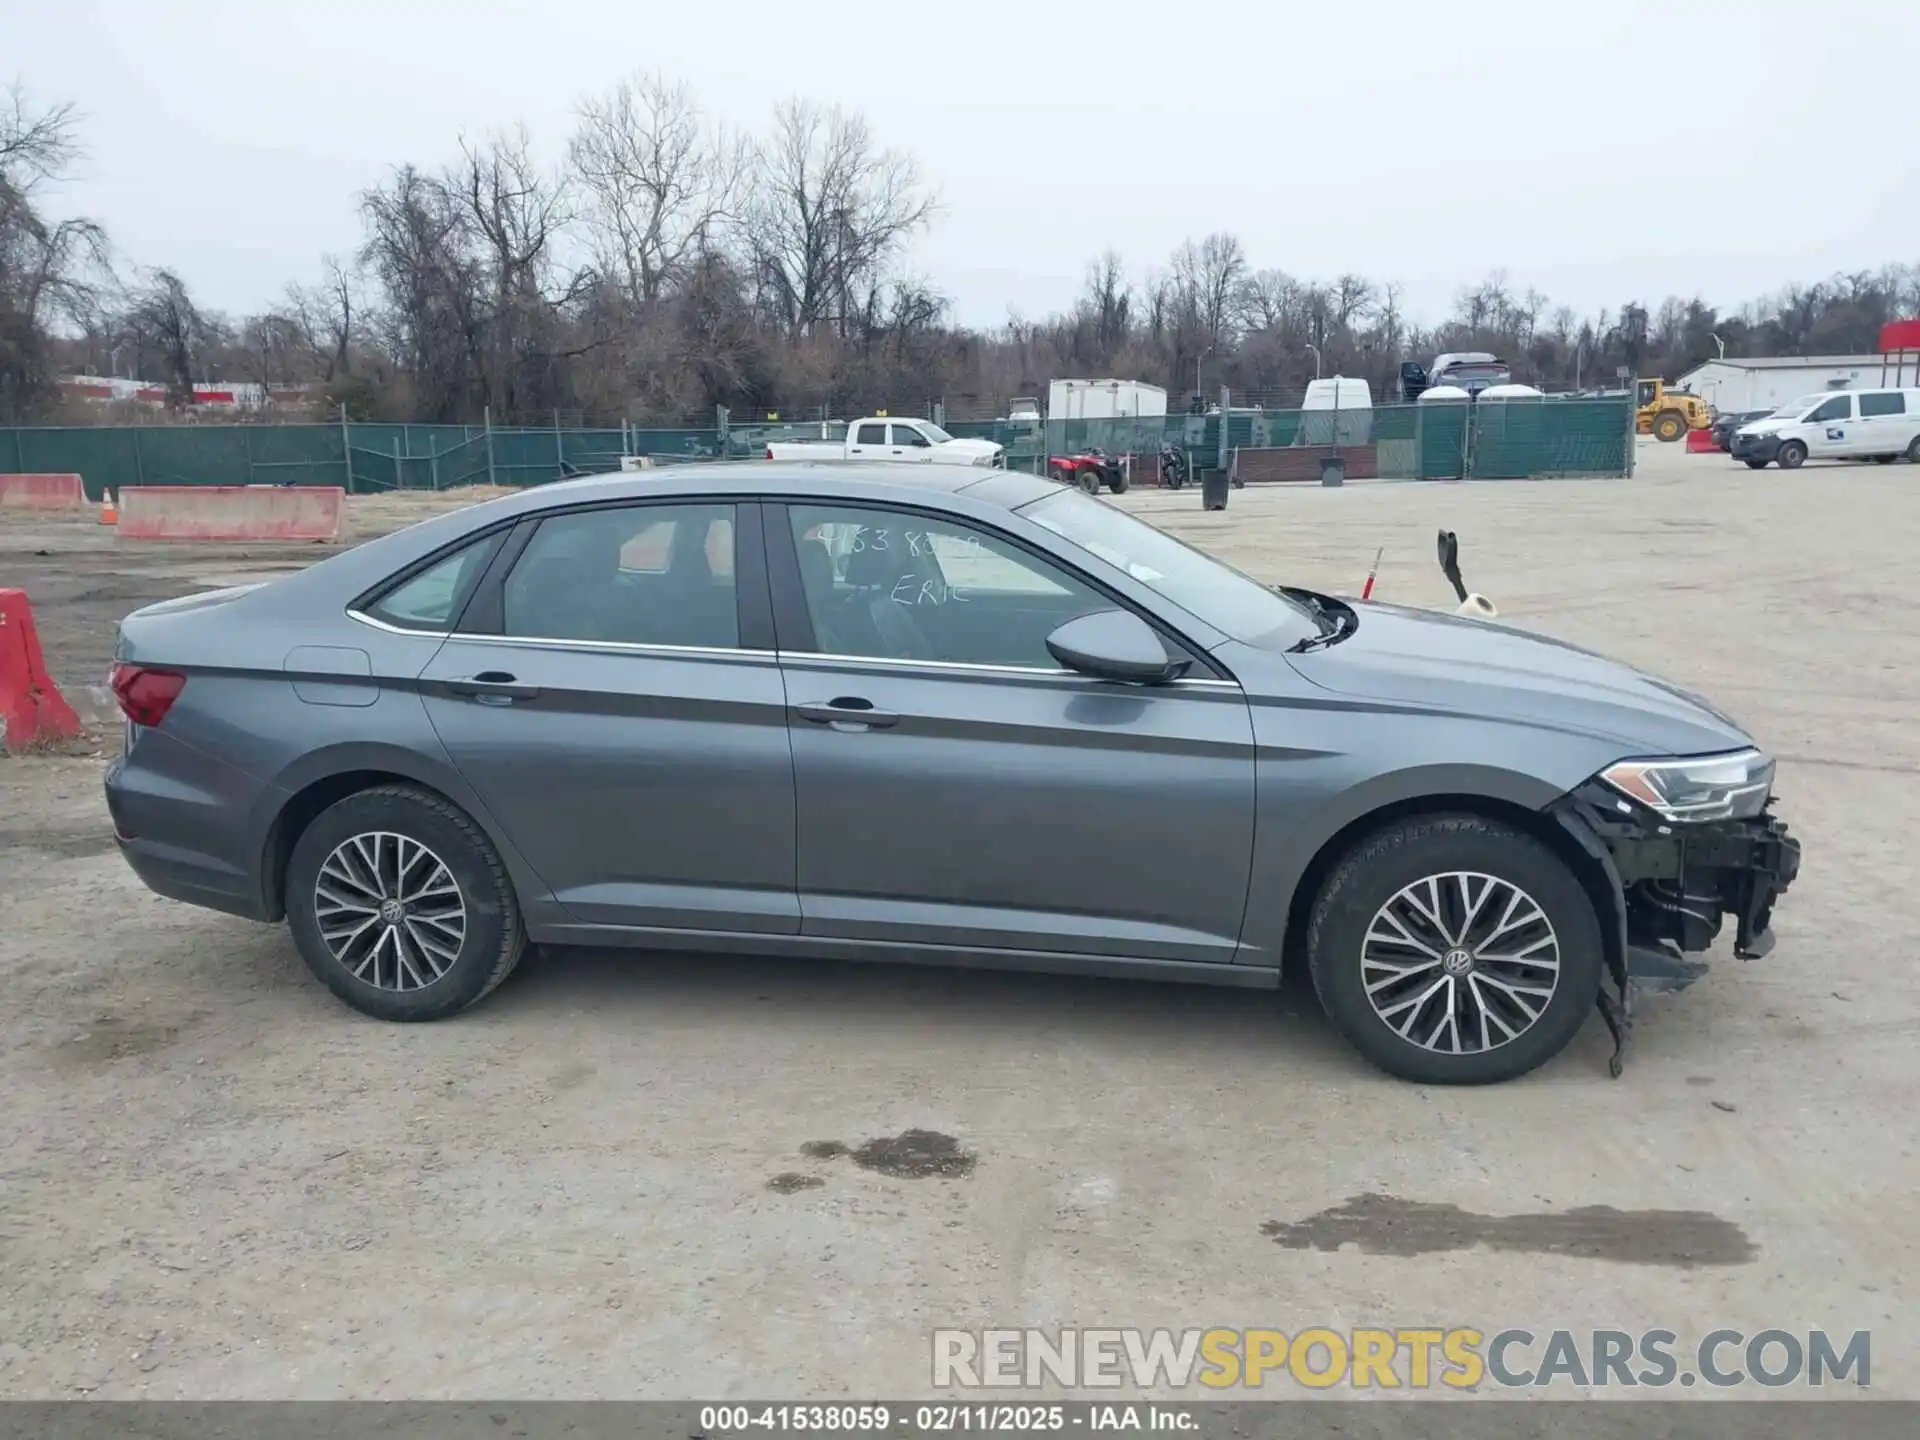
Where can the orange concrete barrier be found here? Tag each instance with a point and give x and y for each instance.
(42, 492)
(1700, 442)
(31, 705)
(231, 512)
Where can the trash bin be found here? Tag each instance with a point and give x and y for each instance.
(1213, 489)
(1333, 468)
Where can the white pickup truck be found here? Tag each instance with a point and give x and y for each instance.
(880, 437)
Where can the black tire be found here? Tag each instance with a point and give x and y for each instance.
(1756, 464)
(1376, 871)
(1175, 479)
(492, 938)
(1792, 455)
(1885, 459)
(1088, 479)
(1060, 475)
(1669, 425)
(1117, 480)
(1913, 451)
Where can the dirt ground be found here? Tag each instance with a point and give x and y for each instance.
(674, 1176)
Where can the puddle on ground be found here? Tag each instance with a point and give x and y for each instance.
(1383, 1225)
(910, 1155)
(111, 1038)
(914, 1155)
(792, 1180)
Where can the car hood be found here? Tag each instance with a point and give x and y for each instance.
(971, 447)
(1428, 660)
(1765, 427)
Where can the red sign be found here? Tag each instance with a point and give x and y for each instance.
(1899, 335)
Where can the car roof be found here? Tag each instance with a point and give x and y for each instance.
(809, 479)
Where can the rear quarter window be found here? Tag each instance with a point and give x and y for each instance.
(1893, 403)
(431, 599)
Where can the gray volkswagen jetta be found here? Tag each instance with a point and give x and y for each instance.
(936, 715)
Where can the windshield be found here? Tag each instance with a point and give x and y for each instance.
(1794, 409)
(1232, 603)
(934, 433)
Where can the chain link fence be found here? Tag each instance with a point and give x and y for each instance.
(1513, 439)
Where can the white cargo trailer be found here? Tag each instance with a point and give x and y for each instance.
(1103, 400)
(1733, 385)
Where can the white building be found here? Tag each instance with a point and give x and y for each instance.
(1731, 385)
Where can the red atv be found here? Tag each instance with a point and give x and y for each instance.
(1089, 470)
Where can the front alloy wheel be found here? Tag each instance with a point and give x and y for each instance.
(1460, 963)
(1455, 950)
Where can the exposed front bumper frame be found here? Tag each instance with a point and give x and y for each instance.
(1672, 887)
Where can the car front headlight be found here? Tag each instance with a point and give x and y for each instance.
(1734, 786)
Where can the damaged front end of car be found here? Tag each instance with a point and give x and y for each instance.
(1683, 844)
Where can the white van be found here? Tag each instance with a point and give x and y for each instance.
(1877, 425)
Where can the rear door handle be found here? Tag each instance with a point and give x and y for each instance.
(848, 712)
(493, 687)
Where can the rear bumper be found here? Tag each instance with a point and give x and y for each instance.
(169, 837)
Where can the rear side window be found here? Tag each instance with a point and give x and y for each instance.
(1892, 402)
(1840, 407)
(433, 598)
(870, 435)
(633, 575)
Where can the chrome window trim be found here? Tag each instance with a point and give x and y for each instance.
(964, 668)
(720, 652)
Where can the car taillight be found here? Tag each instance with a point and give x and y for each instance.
(146, 694)
(769, 452)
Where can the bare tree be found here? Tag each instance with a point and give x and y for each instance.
(659, 187)
(1208, 278)
(49, 270)
(166, 318)
(324, 317)
(830, 211)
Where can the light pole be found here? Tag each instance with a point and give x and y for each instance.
(1316, 360)
(1196, 369)
(1721, 344)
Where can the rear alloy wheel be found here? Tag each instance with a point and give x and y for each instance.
(400, 905)
(1669, 426)
(1913, 451)
(1455, 951)
(1792, 455)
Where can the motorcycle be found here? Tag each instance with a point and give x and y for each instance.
(1173, 467)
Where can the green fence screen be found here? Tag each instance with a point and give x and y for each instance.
(1489, 440)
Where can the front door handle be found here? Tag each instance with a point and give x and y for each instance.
(493, 687)
(848, 712)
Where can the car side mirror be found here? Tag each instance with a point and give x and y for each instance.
(1115, 645)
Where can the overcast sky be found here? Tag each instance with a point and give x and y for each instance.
(1600, 152)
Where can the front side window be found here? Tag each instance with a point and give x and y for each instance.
(432, 599)
(1887, 402)
(907, 435)
(889, 584)
(635, 575)
(1840, 407)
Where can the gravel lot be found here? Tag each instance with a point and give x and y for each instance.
(215, 1181)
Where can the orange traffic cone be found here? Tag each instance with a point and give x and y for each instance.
(109, 512)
